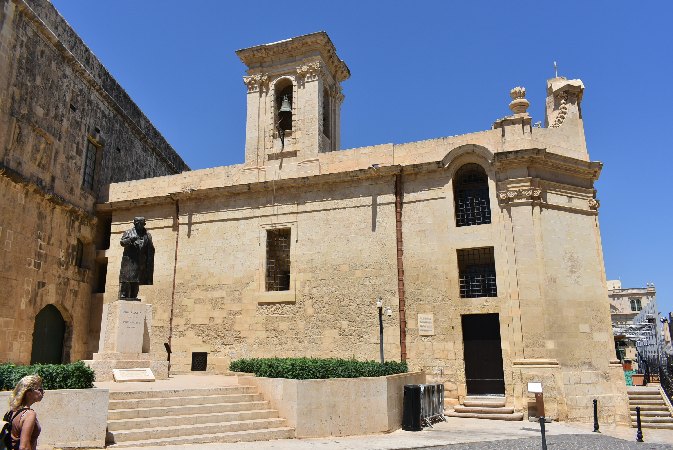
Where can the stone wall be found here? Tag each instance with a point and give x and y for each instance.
(57, 99)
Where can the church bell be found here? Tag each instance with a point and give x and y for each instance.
(285, 105)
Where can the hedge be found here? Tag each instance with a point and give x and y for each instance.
(54, 376)
(313, 368)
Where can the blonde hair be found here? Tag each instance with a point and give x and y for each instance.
(25, 384)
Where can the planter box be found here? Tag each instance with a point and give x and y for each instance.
(638, 379)
(337, 406)
(70, 417)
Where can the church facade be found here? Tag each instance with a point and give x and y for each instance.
(483, 249)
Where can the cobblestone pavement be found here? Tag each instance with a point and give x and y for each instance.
(562, 442)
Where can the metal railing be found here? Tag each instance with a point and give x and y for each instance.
(432, 404)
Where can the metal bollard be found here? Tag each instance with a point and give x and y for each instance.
(544, 438)
(596, 416)
(639, 433)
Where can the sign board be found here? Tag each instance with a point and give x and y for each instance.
(535, 387)
(426, 325)
(121, 375)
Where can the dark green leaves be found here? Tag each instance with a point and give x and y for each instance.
(54, 376)
(312, 368)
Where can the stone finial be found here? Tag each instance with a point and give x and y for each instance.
(519, 104)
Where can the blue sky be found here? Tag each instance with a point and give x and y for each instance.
(422, 70)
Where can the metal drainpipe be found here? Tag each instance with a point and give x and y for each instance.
(400, 266)
(175, 269)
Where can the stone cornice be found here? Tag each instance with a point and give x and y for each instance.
(542, 158)
(297, 47)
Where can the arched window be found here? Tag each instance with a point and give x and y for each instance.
(326, 117)
(284, 103)
(470, 191)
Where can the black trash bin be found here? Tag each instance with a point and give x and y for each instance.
(411, 416)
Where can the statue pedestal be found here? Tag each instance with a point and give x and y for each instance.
(125, 341)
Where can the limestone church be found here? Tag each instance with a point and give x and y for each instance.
(485, 247)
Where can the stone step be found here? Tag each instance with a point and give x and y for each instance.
(228, 437)
(483, 410)
(665, 426)
(648, 419)
(485, 402)
(652, 413)
(182, 401)
(515, 416)
(648, 407)
(642, 390)
(200, 392)
(181, 431)
(646, 402)
(192, 419)
(136, 413)
(636, 398)
(661, 407)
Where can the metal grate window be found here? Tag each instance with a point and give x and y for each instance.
(278, 259)
(471, 196)
(476, 267)
(89, 166)
(199, 361)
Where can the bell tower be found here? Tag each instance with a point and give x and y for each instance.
(294, 98)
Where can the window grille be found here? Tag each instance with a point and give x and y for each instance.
(471, 196)
(89, 166)
(476, 268)
(199, 361)
(278, 259)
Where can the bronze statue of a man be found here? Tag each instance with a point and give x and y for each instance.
(138, 260)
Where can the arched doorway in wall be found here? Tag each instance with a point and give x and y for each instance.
(48, 336)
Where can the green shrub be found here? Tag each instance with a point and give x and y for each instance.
(54, 376)
(313, 368)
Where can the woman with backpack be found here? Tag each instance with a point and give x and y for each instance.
(25, 428)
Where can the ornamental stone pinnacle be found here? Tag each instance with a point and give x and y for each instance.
(519, 104)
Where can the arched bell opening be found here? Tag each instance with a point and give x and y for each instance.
(49, 335)
(284, 101)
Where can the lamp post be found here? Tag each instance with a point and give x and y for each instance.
(389, 313)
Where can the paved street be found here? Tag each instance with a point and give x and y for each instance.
(563, 442)
(463, 434)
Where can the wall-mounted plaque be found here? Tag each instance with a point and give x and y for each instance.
(426, 325)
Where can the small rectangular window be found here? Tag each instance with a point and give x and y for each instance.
(89, 166)
(79, 253)
(278, 259)
(199, 361)
(476, 267)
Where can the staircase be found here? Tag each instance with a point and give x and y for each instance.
(485, 408)
(654, 412)
(190, 416)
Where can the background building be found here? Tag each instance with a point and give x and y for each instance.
(67, 130)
